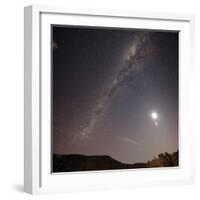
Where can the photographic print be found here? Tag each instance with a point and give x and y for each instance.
(114, 98)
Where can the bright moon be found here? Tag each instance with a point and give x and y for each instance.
(154, 115)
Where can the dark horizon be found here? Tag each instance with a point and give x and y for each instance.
(79, 162)
(115, 92)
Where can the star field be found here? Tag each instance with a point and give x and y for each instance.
(115, 92)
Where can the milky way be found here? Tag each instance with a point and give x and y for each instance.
(139, 49)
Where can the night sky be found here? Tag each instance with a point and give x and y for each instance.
(114, 92)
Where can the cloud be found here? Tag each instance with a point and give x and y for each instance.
(129, 140)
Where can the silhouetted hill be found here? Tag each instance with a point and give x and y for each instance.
(76, 162)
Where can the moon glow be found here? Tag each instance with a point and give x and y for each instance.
(154, 115)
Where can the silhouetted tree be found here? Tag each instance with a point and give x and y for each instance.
(164, 160)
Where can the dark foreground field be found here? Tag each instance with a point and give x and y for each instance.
(76, 162)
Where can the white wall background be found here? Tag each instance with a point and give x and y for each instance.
(11, 99)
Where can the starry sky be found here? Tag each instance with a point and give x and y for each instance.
(114, 92)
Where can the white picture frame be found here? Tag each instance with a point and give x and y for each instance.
(37, 137)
